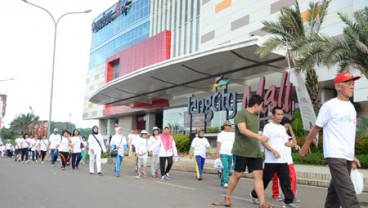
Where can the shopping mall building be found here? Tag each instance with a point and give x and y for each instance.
(152, 62)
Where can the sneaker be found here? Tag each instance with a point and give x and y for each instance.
(226, 185)
(253, 200)
(53, 165)
(227, 201)
(91, 173)
(167, 176)
(291, 205)
(296, 200)
(42, 162)
(163, 178)
(144, 175)
(278, 199)
(100, 174)
(138, 176)
(117, 175)
(266, 205)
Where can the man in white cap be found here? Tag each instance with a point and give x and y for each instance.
(53, 140)
(337, 117)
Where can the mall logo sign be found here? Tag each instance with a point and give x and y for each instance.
(110, 15)
(224, 101)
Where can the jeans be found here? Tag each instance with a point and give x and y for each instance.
(84, 154)
(24, 153)
(119, 160)
(155, 162)
(54, 156)
(34, 155)
(227, 161)
(199, 165)
(76, 158)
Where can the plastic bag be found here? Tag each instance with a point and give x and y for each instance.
(218, 164)
(357, 179)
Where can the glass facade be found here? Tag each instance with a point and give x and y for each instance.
(123, 32)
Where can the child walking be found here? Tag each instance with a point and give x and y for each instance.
(199, 148)
(142, 154)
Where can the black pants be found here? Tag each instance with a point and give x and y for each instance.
(24, 153)
(76, 158)
(34, 155)
(341, 189)
(282, 170)
(162, 164)
(64, 156)
(9, 153)
(43, 155)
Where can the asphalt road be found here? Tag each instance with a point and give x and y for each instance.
(39, 186)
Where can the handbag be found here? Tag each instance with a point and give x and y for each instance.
(114, 152)
(81, 143)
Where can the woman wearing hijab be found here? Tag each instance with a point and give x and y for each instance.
(63, 147)
(118, 141)
(96, 147)
(76, 149)
(167, 151)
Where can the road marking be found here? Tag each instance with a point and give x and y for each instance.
(178, 186)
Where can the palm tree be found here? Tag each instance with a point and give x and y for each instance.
(293, 32)
(23, 121)
(352, 51)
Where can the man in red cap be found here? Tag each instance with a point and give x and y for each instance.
(337, 117)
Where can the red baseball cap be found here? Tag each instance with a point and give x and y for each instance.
(344, 77)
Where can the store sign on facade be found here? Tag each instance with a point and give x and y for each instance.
(224, 101)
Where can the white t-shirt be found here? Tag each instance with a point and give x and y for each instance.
(8, 146)
(277, 137)
(141, 147)
(43, 144)
(227, 140)
(76, 140)
(153, 144)
(119, 141)
(132, 138)
(24, 143)
(289, 158)
(93, 144)
(200, 146)
(338, 120)
(63, 144)
(34, 144)
(54, 139)
(18, 143)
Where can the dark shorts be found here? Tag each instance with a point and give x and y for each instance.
(17, 151)
(241, 163)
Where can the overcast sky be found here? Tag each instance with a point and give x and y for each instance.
(26, 46)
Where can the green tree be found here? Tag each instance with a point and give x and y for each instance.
(291, 33)
(352, 51)
(7, 134)
(23, 121)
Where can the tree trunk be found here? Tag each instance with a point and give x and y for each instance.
(311, 82)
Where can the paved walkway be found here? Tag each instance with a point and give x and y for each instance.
(306, 174)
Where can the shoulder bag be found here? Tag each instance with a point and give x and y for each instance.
(114, 152)
(98, 143)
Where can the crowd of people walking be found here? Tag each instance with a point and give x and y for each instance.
(238, 152)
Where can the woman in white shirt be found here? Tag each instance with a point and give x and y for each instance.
(118, 141)
(199, 148)
(154, 151)
(96, 147)
(63, 147)
(167, 151)
(44, 143)
(76, 149)
(34, 146)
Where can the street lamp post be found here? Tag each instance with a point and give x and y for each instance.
(54, 50)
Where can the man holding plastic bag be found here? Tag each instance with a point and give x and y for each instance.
(337, 117)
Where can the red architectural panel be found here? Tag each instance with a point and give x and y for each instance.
(145, 53)
(151, 51)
